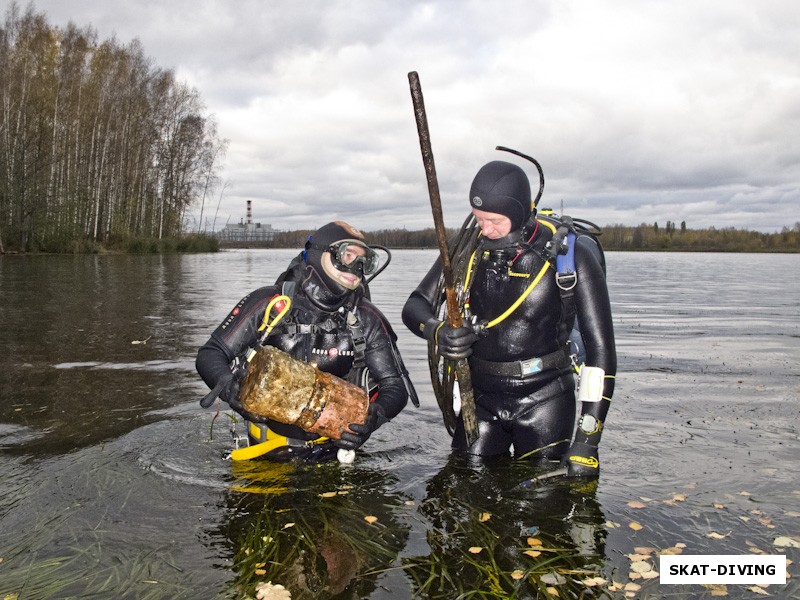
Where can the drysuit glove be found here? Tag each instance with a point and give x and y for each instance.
(452, 342)
(230, 394)
(582, 460)
(359, 433)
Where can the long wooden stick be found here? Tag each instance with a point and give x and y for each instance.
(453, 311)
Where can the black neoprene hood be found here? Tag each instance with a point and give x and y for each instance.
(503, 188)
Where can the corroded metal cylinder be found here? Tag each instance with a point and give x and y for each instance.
(291, 391)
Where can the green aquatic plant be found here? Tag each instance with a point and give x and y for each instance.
(481, 557)
(336, 535)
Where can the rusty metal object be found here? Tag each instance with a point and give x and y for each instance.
(291, 391)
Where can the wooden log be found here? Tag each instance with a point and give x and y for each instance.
(291, 391)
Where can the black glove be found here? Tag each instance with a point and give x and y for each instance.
(231, 385)
(359, 433)
(452, 342)
(582, 460)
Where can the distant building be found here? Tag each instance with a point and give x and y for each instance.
(246, 232)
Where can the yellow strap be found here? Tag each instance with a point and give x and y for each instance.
(469, 270)
(521, 299)
(266, 323)
(274, 441)
(257, 450)
(548, 225)
(527, 291)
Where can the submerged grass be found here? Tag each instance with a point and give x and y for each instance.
(317, 543)
(477, 558)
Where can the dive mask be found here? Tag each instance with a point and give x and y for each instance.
(353, 257)
(350, 256)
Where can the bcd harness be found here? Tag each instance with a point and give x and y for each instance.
(559, 253)
(359, 370)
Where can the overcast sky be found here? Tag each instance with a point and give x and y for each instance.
(638, 111)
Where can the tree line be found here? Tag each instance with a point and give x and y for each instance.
(641, 238)
(97, 144)
(652, 237)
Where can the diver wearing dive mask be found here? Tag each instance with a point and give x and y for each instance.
(343, 259)
(354, 257)
(330, 322)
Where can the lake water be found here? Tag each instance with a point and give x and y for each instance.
(115, 482)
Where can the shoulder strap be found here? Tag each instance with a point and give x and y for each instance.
(561, 250)
(359, 340)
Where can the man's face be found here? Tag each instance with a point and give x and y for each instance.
(493, 225)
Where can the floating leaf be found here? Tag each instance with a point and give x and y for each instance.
(370, 519)
(611, 525)
(410, 503)
(328, 494)
(672, 551)
(650, 574)
(615, 586)
(476, 550)
(644, 550)
(517, 574)
(270, 591)
(718, 505)
(745, 494)
(679, 497)
(767, 522)
(632, 587)
(594, 581)
(288, 525)
(716, 536)
(483, 517)
(532, 553)
(637, 557)
(758, 590)
(784, 541)
(534, 541)
(635, 526)
(261, 572)
(552, 591)
(637, 504)
(641, 566)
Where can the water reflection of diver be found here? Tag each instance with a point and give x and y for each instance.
(519, 310)
(304, 527)
(317, 311)
(475, 505)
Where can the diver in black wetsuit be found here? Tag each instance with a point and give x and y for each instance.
(330, 322)
(522, 375)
